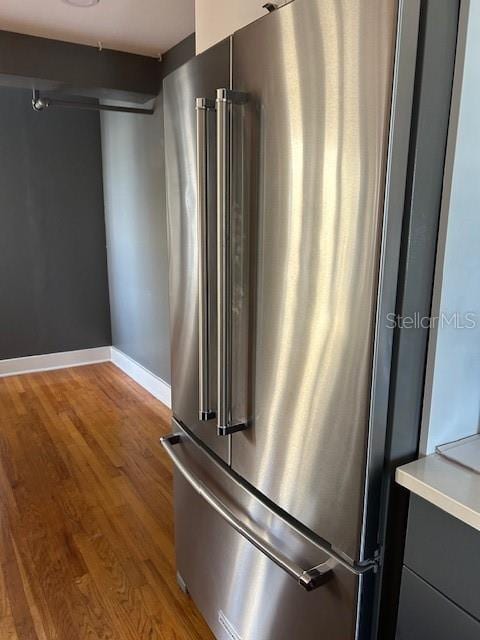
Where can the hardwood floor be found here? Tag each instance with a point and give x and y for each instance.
(86, 548)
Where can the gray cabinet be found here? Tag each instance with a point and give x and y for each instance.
(425, 613)
(445, 552)
(440, 593)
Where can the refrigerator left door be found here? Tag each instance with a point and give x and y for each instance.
(198, 78)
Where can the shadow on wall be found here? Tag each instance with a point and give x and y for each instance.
(136, 223)
(135, 215)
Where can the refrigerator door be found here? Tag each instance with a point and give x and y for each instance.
(318, 75)
(199, 78)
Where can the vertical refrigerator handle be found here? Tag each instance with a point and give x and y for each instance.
(205, 410)
(225, 99)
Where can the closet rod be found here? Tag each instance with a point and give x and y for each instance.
(40, 103)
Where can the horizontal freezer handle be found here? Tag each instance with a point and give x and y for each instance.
(309, 579)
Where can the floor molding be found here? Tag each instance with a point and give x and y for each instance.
(145, 378)
(49, 361)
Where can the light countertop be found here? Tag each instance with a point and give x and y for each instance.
(446, 484)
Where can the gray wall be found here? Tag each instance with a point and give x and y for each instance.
(452, 406)
(53, 275)
(135, 215)
(136, 220)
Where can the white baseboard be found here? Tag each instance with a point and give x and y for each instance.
(145, 378)
(49, 361)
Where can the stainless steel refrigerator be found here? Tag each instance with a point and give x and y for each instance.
(286, 159)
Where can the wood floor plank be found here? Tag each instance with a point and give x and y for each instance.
(21, 614)
(86, 527)
(32, 605)
(7, 629)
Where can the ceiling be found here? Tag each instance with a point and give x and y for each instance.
(148, 27)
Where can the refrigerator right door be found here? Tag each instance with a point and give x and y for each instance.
(313, 135)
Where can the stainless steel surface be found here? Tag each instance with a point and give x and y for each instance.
(229, 578)
(310, 189)
(309, 579)
(226, 423)
(225, 573)
(182, 434)
(315, 127)
(198, 78)
(206, 410)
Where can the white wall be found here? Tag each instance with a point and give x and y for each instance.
(217, 19)
(137, 248)
(452, 404)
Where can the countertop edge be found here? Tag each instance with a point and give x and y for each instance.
(407, 477)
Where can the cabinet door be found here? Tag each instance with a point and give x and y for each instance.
(432, 535)
(425, 613)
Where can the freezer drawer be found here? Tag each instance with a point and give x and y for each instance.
(425, 613)
(245, 596)
(245, 564)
